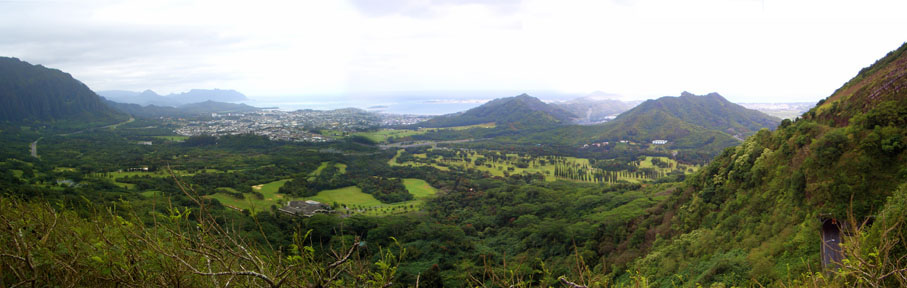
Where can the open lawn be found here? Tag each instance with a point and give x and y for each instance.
(269, 189)
(340, 167)
(419, 188)
(483, 125)
(393, 162)
(251, 201)
(546, 166)
(358, 202)
(352, 197)
(174, 138)
(382, 135)
(159, 173)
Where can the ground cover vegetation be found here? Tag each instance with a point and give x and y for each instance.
(243, 179)
(97, 208)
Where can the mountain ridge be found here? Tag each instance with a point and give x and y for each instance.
(711, 111)
(149, 97)
(521, 111)
(191, 109)
(756, 212)
(36, 93)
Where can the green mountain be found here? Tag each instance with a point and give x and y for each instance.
(35, 93)
(521, 111)
(699, 126)
(762, 211)
(709, 111)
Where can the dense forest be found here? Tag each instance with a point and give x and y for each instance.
(99, 208)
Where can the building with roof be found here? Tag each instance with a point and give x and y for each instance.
(305, 208)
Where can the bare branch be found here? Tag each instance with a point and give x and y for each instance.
(239, 273)
(345, 257)
(570, 284)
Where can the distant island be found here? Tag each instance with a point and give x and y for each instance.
(149, 97)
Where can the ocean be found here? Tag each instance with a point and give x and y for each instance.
(398, 106)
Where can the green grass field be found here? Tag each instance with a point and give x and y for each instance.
(340, 167)
(483, 125)
(352, 197)
(393, 162)
(174, 138)
(251, 202)
(358, 202)
(159, 173)
(502, 168)
(419, 188)
(381, 136)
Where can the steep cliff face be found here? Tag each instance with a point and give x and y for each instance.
(35, 93)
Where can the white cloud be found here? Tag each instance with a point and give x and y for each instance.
(747, 50)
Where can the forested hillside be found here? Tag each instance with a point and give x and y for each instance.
(674, 119)
(711, 111)
(524, 202)
(521, 111)
(754, 215)
(35, 93)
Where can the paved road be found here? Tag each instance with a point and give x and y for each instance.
(111, 126)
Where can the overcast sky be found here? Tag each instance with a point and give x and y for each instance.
(749, 51)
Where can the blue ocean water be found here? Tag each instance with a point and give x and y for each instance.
(397, 106)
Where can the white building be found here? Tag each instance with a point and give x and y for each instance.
(659, 142)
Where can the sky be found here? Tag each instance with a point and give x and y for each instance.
(748, 51)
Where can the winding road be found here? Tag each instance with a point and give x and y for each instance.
(34, 145)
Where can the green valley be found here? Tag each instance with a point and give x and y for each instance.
(686, 191)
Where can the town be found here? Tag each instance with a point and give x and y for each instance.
(295, 126)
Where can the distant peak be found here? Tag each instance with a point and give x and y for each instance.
(599, 95)
(712, 94)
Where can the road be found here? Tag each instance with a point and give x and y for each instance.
(112, 126)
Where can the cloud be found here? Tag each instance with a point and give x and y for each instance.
(428, 8)
(746, 50)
